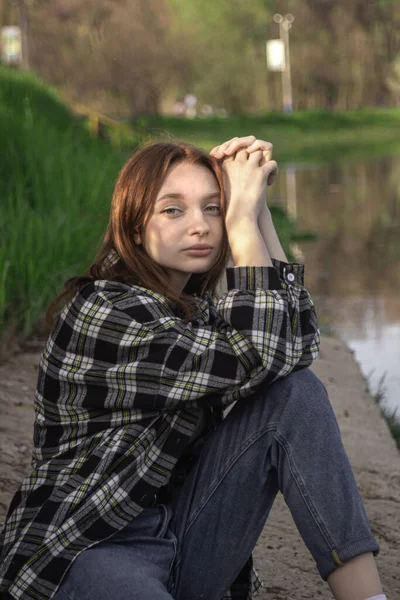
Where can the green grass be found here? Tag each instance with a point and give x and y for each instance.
(56, 182)
(391, 416)
(313, 136)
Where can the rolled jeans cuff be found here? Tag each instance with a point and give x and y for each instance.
(327, 564)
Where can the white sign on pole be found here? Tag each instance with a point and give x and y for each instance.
(11, 47)
(275, 51)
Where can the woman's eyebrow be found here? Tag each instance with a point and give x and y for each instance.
(178, 196)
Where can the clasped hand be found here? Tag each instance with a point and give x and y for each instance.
(248, 171)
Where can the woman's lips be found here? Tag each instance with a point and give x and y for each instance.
(198, 252)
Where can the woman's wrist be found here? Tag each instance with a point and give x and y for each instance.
(240, 219)
(265, 212)
(270, 235)
(246, 242)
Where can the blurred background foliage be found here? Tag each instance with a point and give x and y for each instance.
(135, 58)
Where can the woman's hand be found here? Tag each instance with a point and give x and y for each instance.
(250, 144)
(248, 171)
(266, 227)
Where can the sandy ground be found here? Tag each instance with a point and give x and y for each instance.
(281, 556)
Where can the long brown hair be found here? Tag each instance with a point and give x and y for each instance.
(119, 259)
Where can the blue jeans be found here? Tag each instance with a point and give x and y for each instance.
(285, 438)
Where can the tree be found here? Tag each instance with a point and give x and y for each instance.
(131, 54)
(104, 48)
(226, 41)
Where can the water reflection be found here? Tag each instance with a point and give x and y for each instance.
(353, 270)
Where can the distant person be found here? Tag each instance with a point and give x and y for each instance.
(141, 488)
(207, 110)
(179, 109)
(190, 103)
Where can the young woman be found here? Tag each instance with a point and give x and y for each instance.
(140, 488)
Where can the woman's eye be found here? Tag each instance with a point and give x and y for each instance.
(168, 209)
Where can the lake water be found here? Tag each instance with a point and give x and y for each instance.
(353, 270)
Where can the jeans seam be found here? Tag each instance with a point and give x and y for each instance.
(342, 547)
(213, 487)
(64, 594)
(173, 569)
(164, 522)
(218, 480)
(303, 491)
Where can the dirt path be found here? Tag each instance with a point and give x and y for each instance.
(281, 557)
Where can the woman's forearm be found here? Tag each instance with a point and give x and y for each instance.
(247, 245)
(268, 232)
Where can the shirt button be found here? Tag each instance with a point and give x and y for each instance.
(290, 277)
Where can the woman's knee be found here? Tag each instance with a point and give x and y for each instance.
(305, 393)
(305, 380)
(302, 381)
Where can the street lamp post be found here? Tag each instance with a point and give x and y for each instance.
(22, 7)
(285, 23)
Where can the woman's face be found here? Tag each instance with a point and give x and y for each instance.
(186, 212)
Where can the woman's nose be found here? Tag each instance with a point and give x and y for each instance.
(199, 223)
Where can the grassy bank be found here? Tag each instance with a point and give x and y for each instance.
(56, 182)
(392, 417)
(393, 421)
(313, 136)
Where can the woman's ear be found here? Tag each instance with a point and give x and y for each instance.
(136, 238)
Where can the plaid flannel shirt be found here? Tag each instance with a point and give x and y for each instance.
(121, 387)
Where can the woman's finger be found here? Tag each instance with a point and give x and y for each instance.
(266, 147)
(241, 155)
(232, 145)
(221, 147)
(271, 171)
(242, 142)
(272, 177)
(255, 157)
(249, 143)
(214, 150)
(219, 151)
(250, 146)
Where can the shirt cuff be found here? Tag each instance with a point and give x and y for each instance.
(252, 278)
(290, 272)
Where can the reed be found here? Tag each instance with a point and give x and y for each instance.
(56, 182)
